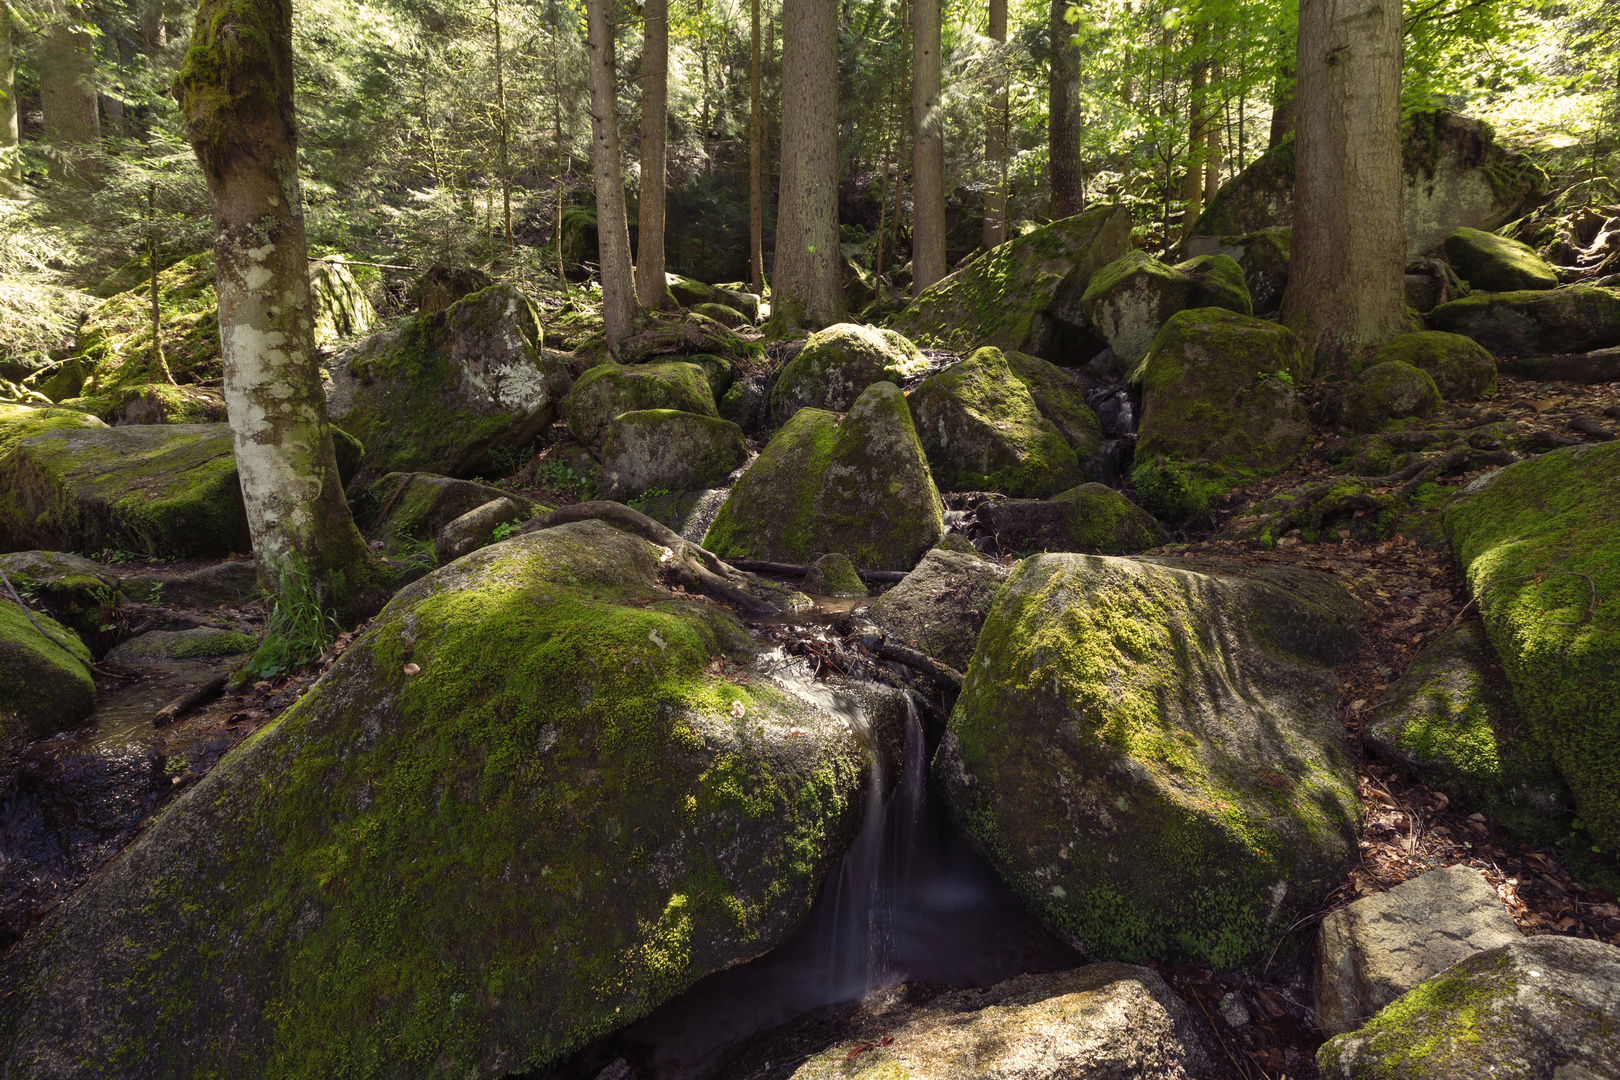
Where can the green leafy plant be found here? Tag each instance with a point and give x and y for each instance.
(298, 630)
(562, 477)
(1170, 492)
(505, 529)
(1284, 377)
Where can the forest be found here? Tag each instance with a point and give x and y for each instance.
(801, 539)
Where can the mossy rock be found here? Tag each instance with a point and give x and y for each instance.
(1022, 295)
(1091, 518)
(74, 590)
(1386, 392)
(739, 299)
(1497, 264)
(858, 484)
(1061, 399)
(169, 490)
(337, 302)
(445, 392)
(1542, 1007)
(1217, 281)
(721, 371)
(1219, 386)
(1130, 299)
(1578, 319)
(939, 607)
(1462, 369)
(666, 450)
(838, 363)
(1150, 757)
(1539, 545)
(114, 342)
(983, 431)
(1597, 366)
(155, 403)
(197, 643)
(416, 506)
(442, 286)
(1450, 723)
(609, 389)
(724, 315)
(564, 817)
(690, 292)
(45, 685)
(833, 575)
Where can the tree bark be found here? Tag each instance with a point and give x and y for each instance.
(612, 231)
(1282, 105)
(1212, 147)
(927, 148)
(67, 89)
(10, 156)
(1192, 182)
(1063, 120)
(236, 92)
(1346, 294)
(505, 159)
(995, 142)
(651, 288)
(807, 286)
(756, 159)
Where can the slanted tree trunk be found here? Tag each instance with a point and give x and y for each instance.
(236, 92)
(995, 142)
(756, 159)
(807, 286)
(927, 148)
(612, 232)
(1063, 119)
(651, 288)
(1346, 294)
(67, 90)
(1282, 105)
(1192, 183)
(10, 158)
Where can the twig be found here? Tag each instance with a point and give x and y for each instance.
(54, 641)
(1586, 616)
(209, 690)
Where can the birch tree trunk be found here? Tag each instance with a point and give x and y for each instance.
(612, 232)
(807, 286)
(927, 148)
(651, 289)
(756, 159)
(995, 142)
(236, 92)
(1346, 294)
(1063, 121)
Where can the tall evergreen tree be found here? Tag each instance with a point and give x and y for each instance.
(1063, 119)
(612, 230)
(995, 141)
(806, 273)
(927, 148)
(650, 287)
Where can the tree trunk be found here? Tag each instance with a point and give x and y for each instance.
(505, 159)
(1282, 105)
(756, 160)
(651, 289)
(10, 156)
(995, 142)
(154, 32)
(1212, 148)
(245, 140)
(612, 232)
(67, 90)
(1192, 182)
(807, 286)
(1346, 295)
(160, 366)
(1063, 120)
(927, 149)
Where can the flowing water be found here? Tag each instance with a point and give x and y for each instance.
(1116, 409)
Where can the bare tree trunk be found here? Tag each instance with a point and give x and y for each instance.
(160, 366)
(612, 232)
(10, 157)
(505, 160)
(651, 289)
(1063, 121)
(807, 286)
(67, 89)
(1192, 182)
(1282, 105)
(756, 159)
(154, 32)
(1346, 295)
(927, 149)
(248, 148)
(1212, 146)
(995, 142)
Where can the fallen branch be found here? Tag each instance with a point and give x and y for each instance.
(177, 708)
(943, 674)
(783, 569)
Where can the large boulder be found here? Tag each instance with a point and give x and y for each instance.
(114, 338)
(1461, 367)
(1024, 294)
(337, 302)
(940, 605)
(1578, 319)
(1263, 258)
(983, 431)
(1061, 398)
(523, 809)
(1538, 1008)
(1539, 545)
(45, 683)
(1219, 386)
(836, 364)
(609, 389)
(448, 391)
(169, 490)
(1130, 299)
(1149, 754)
(1597, 366)
(74, 590)
(1386, 392)
(417, 505)
(1376, 949)
(1455, 174)
(665, 450)
(1497, 264)
(1091, 518)
(858, 484)
(1449, 721)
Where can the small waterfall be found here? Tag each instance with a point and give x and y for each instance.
(1117, 412)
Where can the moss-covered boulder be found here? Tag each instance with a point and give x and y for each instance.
(337, 301)
(441, 286)
(1218, 386)
(1024, 294)
(157, 647)
(722, 372)
(1578, 319)
(169, 490)
(416, 506)
(1217, 281)
(1450, 722)
(723, 314)
(833, 575)
(1597, 366)
(1061, 398)
(836, 364)
(737, 297)
(74, 590)
(1497, 264)
(446, 391)
(689, 292)
(1462, 368)
(1130, 299)
(1386, 392)
(45, 683)
(609, 389)
(1262, 256)
(1149, 755)
(983, 431)
(1091, 518)
(939, 607)
(114, 342)
(538, 797)
(666, 450)
(858, 484)
(1539, 545)
(1541, 1007)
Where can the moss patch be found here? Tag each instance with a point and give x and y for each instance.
(44, 687)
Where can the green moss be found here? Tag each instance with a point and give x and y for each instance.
(115, 339)
(1259, 197)
(1386, 392)
(1576, 319)
(838, 363)
(607, 390)
(1497, 264)
(44, 687)
(1217, 282)
(1461, 368)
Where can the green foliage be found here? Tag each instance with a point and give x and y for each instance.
(1171, 491)
(299, 628)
